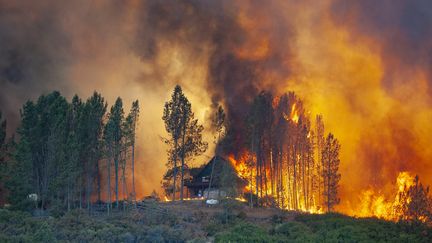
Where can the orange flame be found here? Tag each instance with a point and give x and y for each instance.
(377, 204)
(246, 172)
(294, 114)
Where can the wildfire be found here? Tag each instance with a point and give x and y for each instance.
(372, 203)
(368, 74)
(244, 170)
(241, 199)
(294, 114)
(376, 204)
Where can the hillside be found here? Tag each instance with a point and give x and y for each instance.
(192, 221)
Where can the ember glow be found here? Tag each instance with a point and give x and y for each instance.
(364, 65)
(376, 204)
(245, 172)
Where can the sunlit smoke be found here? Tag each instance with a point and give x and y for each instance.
(366, 69)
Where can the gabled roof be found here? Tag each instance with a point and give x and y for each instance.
(219, 163)
(220, 167)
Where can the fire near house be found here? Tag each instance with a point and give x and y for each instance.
(217, 178)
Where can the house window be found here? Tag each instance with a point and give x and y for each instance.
(205, 179)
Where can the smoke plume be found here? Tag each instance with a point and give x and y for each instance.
(364, 65)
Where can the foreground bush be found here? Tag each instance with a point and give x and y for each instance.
(78, 226)
(340, 228)
(156, 224)
(245, 232)
(19, 226)
(295, 232)
(326, 228)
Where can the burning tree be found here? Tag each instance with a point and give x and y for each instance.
(409, 201)
(260, 119)
(273, 149)
(414, 203)
(330, 175)
(278, 155)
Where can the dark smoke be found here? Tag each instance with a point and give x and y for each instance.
(33, 48)
(402, 28)
(233, 79)
(40, 41)
(227, 52)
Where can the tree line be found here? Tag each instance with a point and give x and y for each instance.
(288, 162)
(66, 151)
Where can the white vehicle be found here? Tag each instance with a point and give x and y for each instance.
(33, 197)
(212, 201)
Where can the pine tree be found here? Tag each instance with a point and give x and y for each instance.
(192, 146)
(131, 125)
(414, 203)
(2, 133)
(319, 127)
(74, 152)
(281, 138)
(185, 134)
(94, 112)
(78, 139)
(330, 172)
(41, 152)
(2, 139)
(419, 208)
(218, 125)
(173, 119)
(24, 178)
(187, 116)
(53, 125)
(3, 151)
(218, 120)
(257, 123)
(113, 136)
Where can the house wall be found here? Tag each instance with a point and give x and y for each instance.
(214, 193)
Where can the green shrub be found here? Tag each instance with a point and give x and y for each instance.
(158, 224)
(242, 215)
(26, 205)
(163, 233)
(278, 218)
(22, 227)
(340, 228)
(154, 214)
(155, 234)
(215, 227)
(43, 233)
(228, 214)
(57, 209)
(232, 204)
(295, 231)
(245, 232)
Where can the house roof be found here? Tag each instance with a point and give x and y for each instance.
(219, 163)
(219, 166)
